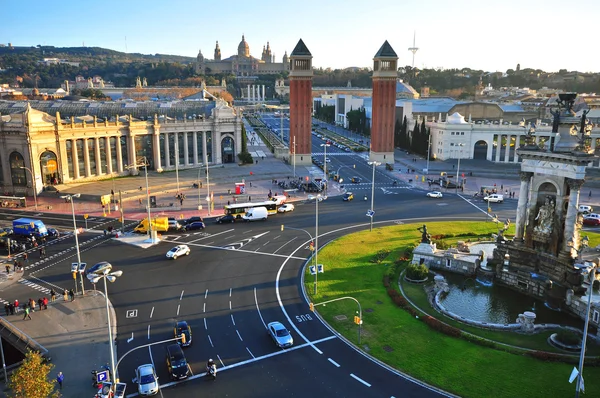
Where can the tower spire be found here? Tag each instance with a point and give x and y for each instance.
(414, 48)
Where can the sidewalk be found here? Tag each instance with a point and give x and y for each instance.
(76, 337)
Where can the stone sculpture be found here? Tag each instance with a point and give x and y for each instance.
(425, 237)
(544, 217)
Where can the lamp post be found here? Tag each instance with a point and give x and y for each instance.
(373, 193)
(208, 190)
(177, 165)
(428, 151)
(460, 145)
(325, 163)
(103, 270)
(294, 158)
(317, 200)
(70, 199)
(147, 195)
(585, 331)
(33, 185)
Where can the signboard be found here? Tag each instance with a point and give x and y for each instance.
(82, 267)
(370, 213)
(103, 376)
(74, 267)
(105, 199)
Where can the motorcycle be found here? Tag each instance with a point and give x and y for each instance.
(211, 371)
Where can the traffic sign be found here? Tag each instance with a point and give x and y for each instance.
(74, 267)
(320, 268)
(370, 213)
(82, 267)
(102, 376)
(86, 216)
(312, 270)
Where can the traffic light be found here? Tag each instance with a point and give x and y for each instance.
(74, 275)
(312, 246)
(357, 319)
(182, 338)
(312, 307)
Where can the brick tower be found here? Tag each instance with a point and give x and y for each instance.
(301, 75)
(385, 73)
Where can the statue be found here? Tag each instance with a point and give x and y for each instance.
(556, 120)
(544, 217)
(501, 231)
(425, 237)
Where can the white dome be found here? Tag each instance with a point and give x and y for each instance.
(456, 118)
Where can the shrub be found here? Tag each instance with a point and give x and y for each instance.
(245, 158)
(441, 327)
(568, 337)
(545, 356)
(416, 272)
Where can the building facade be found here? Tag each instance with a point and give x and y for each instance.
(56, 151)
(242, 64)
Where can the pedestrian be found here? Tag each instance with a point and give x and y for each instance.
(72, 294)
(41, 252)
(501, 187)
(7, 269)
(7, 309)
(40, 303)
(140, 199)
(32, 305)
(52, 295)
(65, 295)
(16, 304)
(44, 251)
(590, 195)
(249, 198)
(15, 265)
(59, 379)
(26, 257)
(12, 308)
(26, 314)
(45, 302)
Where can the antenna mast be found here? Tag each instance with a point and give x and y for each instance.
(414, 48)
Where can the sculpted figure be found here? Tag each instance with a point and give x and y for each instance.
(544, 217)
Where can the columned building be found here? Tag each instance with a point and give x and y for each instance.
(58, 151)
(301, 75)
(385, 74)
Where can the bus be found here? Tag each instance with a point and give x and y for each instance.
(238, 210)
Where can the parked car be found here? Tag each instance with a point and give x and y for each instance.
(193, 219)
(230, 218)
(280, 335)
(182, 327)
(285, 208)
(195, 225)
(592, 215)
(348, 196)
(178, 251)
(174, 225)
(585, 209)
(593, 222)
(434, 194)
(53, 233)
(176, 362)
(146, 379)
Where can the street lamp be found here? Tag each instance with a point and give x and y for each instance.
(372, 211)
(103, 270)
(70, 199)
(325, 163)
(135, 166)
(33, 184)
(317, 199)
(585, 330)
(177, 165)
(460, 145)
(428, 152)
(208, 190)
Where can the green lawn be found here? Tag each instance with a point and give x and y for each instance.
(453, 364)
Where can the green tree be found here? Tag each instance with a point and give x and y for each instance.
(30, 380)
(245, 156)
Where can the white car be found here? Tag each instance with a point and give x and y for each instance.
(592, 215)
(327, 160)
(177, 251)
(285, 208)
(146, 379)
(435, 194)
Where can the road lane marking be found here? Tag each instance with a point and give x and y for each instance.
(232, 320)
(229, 305)
(178, 305)
(258, 309)
(205, 326)
(229, 292)
(151, 312)
(210, 236)
(131, 339)
(337, 365)
(289, 241)
(229, 248)
(148, 333)
(220, 360)
(359, 379)
(251, 353)
(238, 333)
(210, 340)
(204, 309)
(205, 293)
(181, 296)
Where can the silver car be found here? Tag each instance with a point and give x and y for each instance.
(146, 379)
(280, 335)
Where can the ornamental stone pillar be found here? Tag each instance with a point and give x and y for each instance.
(75, 160)
(167, 151)
(156, 151)
(571, 218)
(109, 155)
(98, 158)
(185, 149)
(522, 204)
(195, 138)
(119, 155)
(86, 158)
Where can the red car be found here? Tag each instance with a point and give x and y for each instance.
(591, 221)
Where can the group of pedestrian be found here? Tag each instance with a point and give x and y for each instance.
(29, 306)
(180, 196)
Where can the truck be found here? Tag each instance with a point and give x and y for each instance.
(29, 227)
(159, 224)
(256, 213)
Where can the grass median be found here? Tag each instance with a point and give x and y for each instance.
(392, 335)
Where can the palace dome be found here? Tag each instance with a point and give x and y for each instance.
(243, 48)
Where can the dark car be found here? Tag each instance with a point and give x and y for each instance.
(193, 219)
(53, 233)
(182, 328)
(356, 180)
(176, 363)
(195, 225)
(230, 218)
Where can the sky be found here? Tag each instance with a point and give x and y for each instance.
(487, 35)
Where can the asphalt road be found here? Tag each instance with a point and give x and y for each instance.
(241, 276)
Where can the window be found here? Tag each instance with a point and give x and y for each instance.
(452, 133)
(448, 263)
(80, 161)
(462, 133)
(596, 316)
(69, 149)
(16, 161)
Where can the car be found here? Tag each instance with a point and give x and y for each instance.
(327, 160)
(174, 224)
(348, 196)
(285, 208)
(146, 379)
(182, 328)
(195, 225)
(434, 194)
(193, 219)
(585, 209)
(592, 215)
(178, 251)
(53, 232)
(280, 335)
(8, 230)
(356, 180)
(176, 362)
(594, 222)
(230, 218)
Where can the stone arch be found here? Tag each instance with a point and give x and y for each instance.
(18, 174)
(227, 149)
(480, 150)
(49, 168)
(546, 188)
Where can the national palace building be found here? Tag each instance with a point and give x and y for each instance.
(65, 141)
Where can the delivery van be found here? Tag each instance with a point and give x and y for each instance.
(494, 198)
(159, 224)
(29, 227)
(256, 213)
(279, 199)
